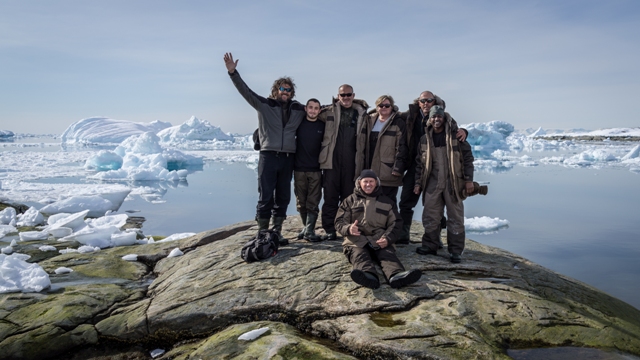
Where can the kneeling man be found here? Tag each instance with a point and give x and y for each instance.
(370, 226)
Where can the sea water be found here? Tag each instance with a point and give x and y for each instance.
(580, 222)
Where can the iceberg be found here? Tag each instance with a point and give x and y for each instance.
(97, 130)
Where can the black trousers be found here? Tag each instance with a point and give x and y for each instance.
(408, 200)
(365, 259)
(337, 185)
(275, 170)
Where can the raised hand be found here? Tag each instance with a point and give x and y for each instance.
(229, 63)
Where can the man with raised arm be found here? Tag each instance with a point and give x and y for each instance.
(278, 120)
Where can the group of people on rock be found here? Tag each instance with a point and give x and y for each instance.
(358, 159)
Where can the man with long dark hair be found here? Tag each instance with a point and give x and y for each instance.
(278, 118)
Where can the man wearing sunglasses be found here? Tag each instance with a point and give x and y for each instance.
(343, 120)
(416, 119)
(278, 120)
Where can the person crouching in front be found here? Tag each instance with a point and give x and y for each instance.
(370, 225)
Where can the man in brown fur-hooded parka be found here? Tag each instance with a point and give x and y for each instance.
(343, 120)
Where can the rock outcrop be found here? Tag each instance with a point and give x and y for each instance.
(196, 305)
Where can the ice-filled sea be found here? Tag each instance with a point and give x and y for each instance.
(581, 219)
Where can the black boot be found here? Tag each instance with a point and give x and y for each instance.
(303, 216)
(405, 278)
(310, 229)
(429, 243)
(406, 235)
(277, 226)
(365, 279)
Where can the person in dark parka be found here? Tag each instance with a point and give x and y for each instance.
(278, 119)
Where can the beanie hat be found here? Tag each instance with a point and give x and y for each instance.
(367, 173)
(436, 110)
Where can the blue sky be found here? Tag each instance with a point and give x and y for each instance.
(555, 64)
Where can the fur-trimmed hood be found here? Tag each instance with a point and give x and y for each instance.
(439, 101)
(356, 101)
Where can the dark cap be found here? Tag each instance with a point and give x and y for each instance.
(436, 110)
(367, 173)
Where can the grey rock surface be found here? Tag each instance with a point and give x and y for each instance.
(492, 301)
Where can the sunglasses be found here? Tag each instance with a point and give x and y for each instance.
(384, 106)
(429, 100)
(346, 95)
(285, 89)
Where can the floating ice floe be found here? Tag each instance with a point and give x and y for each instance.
(47, 248)
(484, 224)
(97, 205)
(6, 134)
(142, 158)
(17, 275)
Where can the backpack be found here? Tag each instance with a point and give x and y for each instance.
(256, 140)
(262, 246)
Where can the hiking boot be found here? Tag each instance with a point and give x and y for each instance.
(455, 258)
(277, 226)
(303, 216)
(405, 278)
(365, 279)
(425, 251)
(330, 236)
(310, 228)
(405, 236)
(263, 224)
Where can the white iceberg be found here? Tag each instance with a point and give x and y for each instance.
(106, 130)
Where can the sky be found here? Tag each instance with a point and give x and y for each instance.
(559, 65)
